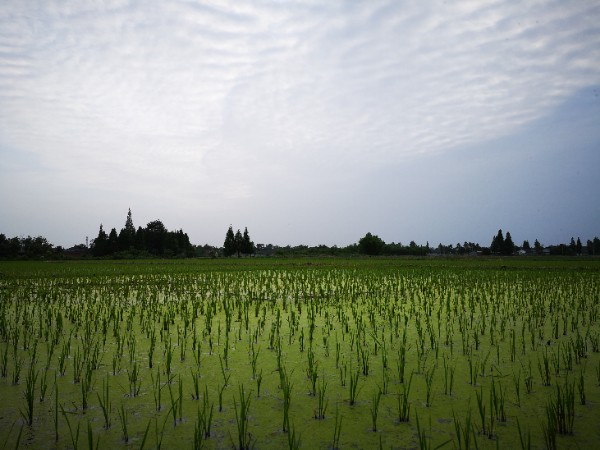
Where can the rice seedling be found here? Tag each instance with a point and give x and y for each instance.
(403, 403)
(286, 387)
(124, 422)
(429, 386)
(74, 435)
(29, 393)
(294, 440)
(244, 438)
(375, 409)
(353, 386)
(105, 403)
(525, 440)
(337, 430)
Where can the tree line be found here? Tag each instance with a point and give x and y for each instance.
(154, 240)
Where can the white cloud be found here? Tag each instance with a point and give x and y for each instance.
(212, 98)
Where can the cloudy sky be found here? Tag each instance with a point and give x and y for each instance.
(309, 122)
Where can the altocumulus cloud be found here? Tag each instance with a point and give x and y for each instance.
(217, 102)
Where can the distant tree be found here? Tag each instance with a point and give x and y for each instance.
(526, 246)
(590, 247)
(538, 248)
(140, 239)
(596, 247)
(155, 236)
(229, 246)
(371, 245)
(100, 244)
(113, 241)
(37, 247)
(247, 244)
(497, 245)
(579, 247)
(9, 248)
(573, 246)
(127, 234)
(239, 243)
(508, 247)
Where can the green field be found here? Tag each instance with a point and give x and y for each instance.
(300, 353)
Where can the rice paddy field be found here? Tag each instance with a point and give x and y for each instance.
(300, 353)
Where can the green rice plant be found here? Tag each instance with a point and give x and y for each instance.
(123, 421)
(198, 436)
(286, 387)
(581, 388)
(145, 435)
(156, 389)
(225, 375)
(385, 380)
(159, 435)
(429, 385)
(4, 363)
(483, 364)
(473, 371)
(563, 407)
(29, 393)
(525, 440)
(174, 403)
(43, 385)
(135, 381)
(595, 341)
(258, 383)
(18, 364)
(568, 356)
(423, 440)
(403, 403)
(354, 386)
(180, 400)
(168, 357)
(18, 436)
(344, 375)
(322, 403)
(513, 345)
(116, 365)
(244, 437)
(254, 359)
(207, 413)
(497, 397)
(364, 359)
(294, 440)
(375, 409)
(529, 379)
(74, 436)
(549, 427)
(482, 414)
(312, 371)
(78, 362)
(105, 403)
(337, 430)
(517, 384)
(544, 368)
(90, 436)
(62, 360)
(152, 347)
(195, 385)
(463, 432)
(55, 409)
(448, 377)
(221, 390)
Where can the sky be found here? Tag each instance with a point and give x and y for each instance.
(308, 122)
